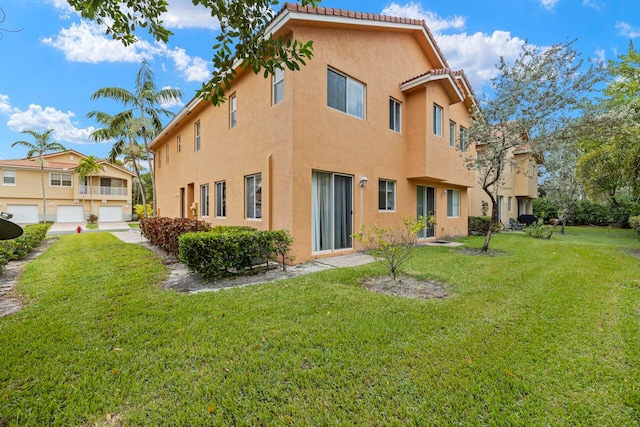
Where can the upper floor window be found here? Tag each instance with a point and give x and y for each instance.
(221, 199)
(253, 194)
(196, 132)
(386, 195)
(437, 120)
(178, 144)
(204, 200)
(8, 177)
(453, 202)
(60, 179)
(452, 133)
(232, 111)
(395, 115)
(464, 139)
(345, 94)
(166, 157)
(159, 157)
(278, 86)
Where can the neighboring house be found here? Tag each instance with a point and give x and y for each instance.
(68, 199)
(368, 132)
(519, 188)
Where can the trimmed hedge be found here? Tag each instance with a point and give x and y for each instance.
(164, 232)
(220, 253)
(479, 225)
(16, 249)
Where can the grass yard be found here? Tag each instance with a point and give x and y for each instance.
(546, 333)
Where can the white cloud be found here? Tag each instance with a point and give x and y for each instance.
(416, 11)
(592, 4)
(5, 105)
(41, 119)
(86, 42)
(548, 4)
(171, 104)
(183, 14)
(627, 30)
(476, 54)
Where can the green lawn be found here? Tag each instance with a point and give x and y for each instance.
(547, 333)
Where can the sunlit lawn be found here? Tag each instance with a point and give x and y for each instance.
(546, 333)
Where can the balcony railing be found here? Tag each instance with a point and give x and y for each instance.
(103, 191)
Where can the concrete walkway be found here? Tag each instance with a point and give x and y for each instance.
(71, 227)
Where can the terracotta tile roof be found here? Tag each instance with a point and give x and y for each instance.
(329, 11)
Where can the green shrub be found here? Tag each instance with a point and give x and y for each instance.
(231, 228)
(546, 209)
(538, 230)
(479, 225)
(588, 212)
(236, 251)
(634, 222)
(164, 232)
(16, 249)
(93, 218)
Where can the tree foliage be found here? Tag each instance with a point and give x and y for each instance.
(88, 167)
(243, 39)
(531, 101)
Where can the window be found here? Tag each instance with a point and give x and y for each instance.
(345, 94)
(178, 144)
(221, 199)
(160, 157)
(204, 200)
(509, 204)
(253, 194)
(166, 160)
(232, 111)
(452, 133)
(453, 203)
(386, 195)
(437, 120)
(464, 139)
(60, 180)
(278, 86)
(8, 177)
(395, 115)
(196, 132)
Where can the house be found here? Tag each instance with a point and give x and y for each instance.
(68, 198)
(519, 187)
(370, 131)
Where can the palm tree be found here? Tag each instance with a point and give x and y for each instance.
(88, 167)
(42, 145)
(146, 101)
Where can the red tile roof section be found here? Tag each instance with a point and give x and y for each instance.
(329, 11)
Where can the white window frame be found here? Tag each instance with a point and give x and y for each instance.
(277, 94)
(453, 203)
(159, 157)
(510, 204)
(167, 149)
(221, 199)
(437, 120)
(11, 174)
(197, 137)
(60, 177)
(395, 115)
(464, 139)
(452, 134)
(253, 196)
(178, 144)
(204, 200)
(233, 111)
(386, 188)
(350, 84)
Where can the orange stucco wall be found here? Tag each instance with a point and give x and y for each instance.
(288, 141)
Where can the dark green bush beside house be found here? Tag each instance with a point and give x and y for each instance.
(479, 225)
(634, 222)
(16, 249)
(164, 232)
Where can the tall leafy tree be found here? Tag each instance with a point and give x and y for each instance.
(243, 37)
(38, 149)
(531, 100)
(88, 167)
(145, 108)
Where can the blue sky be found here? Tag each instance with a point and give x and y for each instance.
(57, 61)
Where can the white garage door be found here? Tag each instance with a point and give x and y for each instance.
(70, 214)
(23, 214)
(110, 214)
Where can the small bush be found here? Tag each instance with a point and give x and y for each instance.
(546, 209)
(231, 228)
(16, 249)
(218, 254)
(538, 230)
(634, 222)
(479, 225)
(165, 232)
(93, 218)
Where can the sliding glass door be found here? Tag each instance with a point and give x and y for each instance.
(426, 204)
(331, 211)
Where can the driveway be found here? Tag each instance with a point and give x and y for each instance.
(70, 227)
